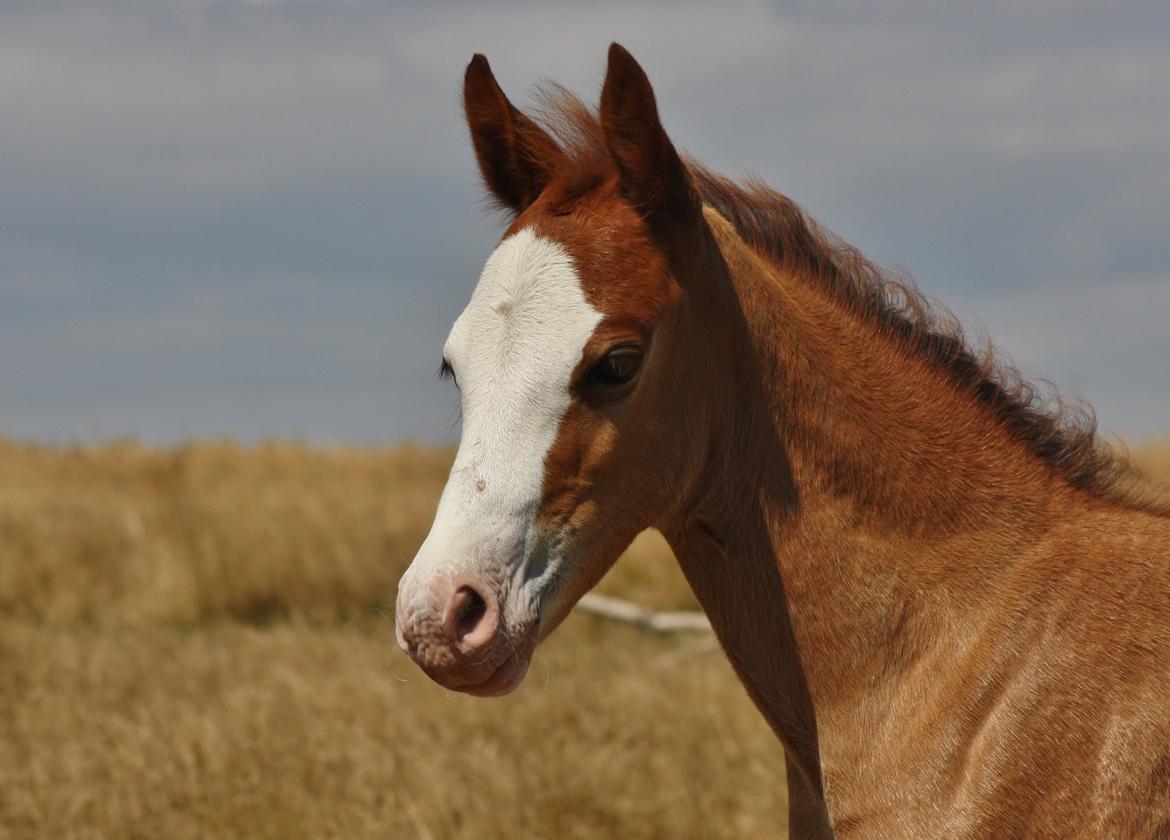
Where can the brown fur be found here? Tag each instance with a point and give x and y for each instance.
(1062, 434)
(951, 603)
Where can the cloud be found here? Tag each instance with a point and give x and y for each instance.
(219, 216)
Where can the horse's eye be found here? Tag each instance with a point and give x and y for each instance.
(617, 367)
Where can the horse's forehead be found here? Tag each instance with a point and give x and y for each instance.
(529, 298)
(552, 271)
(622, 272)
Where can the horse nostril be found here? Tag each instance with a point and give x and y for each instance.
(470, 620)
(468, 609)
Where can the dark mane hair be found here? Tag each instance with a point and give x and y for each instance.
(1061, 434)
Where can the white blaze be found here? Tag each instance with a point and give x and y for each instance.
(513, 350)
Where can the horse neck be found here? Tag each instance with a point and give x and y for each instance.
(848, 496)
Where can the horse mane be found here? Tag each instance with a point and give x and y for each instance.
(1062, 434)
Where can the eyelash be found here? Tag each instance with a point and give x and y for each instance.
(448, 372)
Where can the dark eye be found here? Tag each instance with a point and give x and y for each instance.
(617, 367)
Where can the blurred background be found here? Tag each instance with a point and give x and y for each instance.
(252, 223)
(255, 219)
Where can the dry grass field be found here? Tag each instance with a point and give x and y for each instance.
(197, 642)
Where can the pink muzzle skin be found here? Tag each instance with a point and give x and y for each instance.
(456, 636)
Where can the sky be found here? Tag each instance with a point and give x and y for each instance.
(259, 219)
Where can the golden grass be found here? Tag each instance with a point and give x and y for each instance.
(197, 643)
(128, 534)
(296, 730)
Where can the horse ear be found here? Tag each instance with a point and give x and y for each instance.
(653, 176)
(516, 156)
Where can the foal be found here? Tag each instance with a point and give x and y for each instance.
(951, 604)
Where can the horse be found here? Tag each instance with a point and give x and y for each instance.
(949, 599)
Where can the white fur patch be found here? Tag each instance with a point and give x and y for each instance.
(513, 351)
